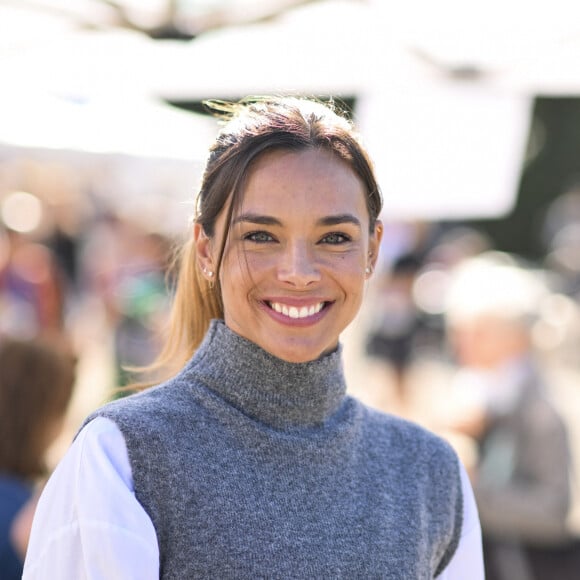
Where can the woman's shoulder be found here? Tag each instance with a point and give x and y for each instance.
(404, 437)
(14, 487)
(147, 406)
(419, 464)
(14, 493)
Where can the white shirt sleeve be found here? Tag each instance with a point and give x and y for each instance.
(88, 523)
(467, 562)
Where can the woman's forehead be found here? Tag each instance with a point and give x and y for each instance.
(308, 178)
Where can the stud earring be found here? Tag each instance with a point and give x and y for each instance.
(369, 270)
(208, 273)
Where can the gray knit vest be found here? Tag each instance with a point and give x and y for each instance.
(254, 468)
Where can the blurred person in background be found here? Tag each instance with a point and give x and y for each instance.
(251, 461)
(522, 472)
(395, 322)
(561, 237)
(36, 384)
(406, 327)
(125, 267)
(140, 305)
(32, 293)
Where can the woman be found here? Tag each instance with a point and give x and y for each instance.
(252, 462)
(36, 384)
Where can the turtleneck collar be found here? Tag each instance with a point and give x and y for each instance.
(280, 394)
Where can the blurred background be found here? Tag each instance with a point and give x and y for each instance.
(470, 112)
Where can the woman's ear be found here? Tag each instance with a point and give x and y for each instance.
(203, 248)
(374, 245)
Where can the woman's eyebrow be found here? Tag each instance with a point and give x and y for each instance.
(343, 218)
(253, 218)
(266, 220)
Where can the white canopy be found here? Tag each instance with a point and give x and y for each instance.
(445, 145)
(136, 126)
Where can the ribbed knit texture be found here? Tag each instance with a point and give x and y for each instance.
(251, 467)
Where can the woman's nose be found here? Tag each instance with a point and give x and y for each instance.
(298, 265)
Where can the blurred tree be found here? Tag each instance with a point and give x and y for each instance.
(553, 165)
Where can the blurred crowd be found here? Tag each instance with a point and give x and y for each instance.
(83, 301)
(476, 344)
(72, 266)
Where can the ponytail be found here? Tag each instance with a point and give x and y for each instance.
(194, 305)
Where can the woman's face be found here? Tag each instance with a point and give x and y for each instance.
(293, 271)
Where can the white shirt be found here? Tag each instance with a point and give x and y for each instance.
(89, 524)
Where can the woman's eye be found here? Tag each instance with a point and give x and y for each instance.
(335, 238)
(258, 237)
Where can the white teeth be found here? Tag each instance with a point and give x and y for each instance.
(295, 312)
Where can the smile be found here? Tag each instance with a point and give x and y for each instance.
(294, 311)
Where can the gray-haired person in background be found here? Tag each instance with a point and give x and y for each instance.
(522, 472)
(251, 461)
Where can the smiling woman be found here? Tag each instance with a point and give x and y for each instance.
(250, 460)
(260, 173)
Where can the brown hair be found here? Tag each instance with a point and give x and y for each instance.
(36, 383)
(253, 126)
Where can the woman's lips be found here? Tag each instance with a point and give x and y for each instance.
(297, 313)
